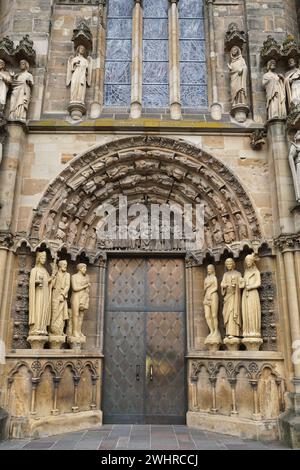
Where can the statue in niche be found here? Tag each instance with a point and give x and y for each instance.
(79, 299)
(231, 291)
(92, 239)
(294, 159)
(79, 76)
(60, 289)
(62, 227)
(5, 82)
(238, 77)
(274, 85)
(229, 233)
(251, 306)
(39, 297)
(83, 236)
(49, 225)
(242, 227)
(21, 93)
(73, 230)
(292, 83)
(211, 307)
(208, 237)
(217, 232)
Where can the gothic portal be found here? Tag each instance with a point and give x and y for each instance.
(149, 216)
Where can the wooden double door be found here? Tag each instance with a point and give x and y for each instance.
(144, 363)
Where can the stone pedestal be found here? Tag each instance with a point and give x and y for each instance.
(252, 344)
(289, 428)
(213, 342)
(76, 343)
(37, 342)
(56, 342)
(77, 111)
(232, 344)
(135, 110)
(240, 112)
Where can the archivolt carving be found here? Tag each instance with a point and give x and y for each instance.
(145, 169)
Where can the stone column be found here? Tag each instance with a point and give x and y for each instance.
(10, 188)
(189, 309)
(97, 103)
(294, 314)
(283, 190)
(216, 108)
(101, 304)
(174, 61)
(137, 61)
(11, 162)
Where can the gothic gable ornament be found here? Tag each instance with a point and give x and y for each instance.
(271, 50)
(7, 50)
(82, 36)
(25, 51)
(234, 37)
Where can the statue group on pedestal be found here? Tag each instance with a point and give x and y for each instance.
(241, 306)
(48, 304)
(20, 85)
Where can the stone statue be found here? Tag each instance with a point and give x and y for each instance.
(62, 227)
(251, 307)
(79, 301)
(211, 307)
(231, 292)
(242, 227)
(229, 233)
(39, 301)
(79, 76)
(292, 83)
(5, 82)
(21, 93)
(60, 289)
(92, 239)
(217, 232)
(238, 76)
(73, 230)
(294, 159)
(49, 224)
(83, 236)
(275, 90)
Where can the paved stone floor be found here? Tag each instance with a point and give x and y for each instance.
(123, 437)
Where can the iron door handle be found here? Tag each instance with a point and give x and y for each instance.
(151, 373)
(138, 373)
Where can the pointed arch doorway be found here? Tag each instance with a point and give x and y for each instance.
(145, 341)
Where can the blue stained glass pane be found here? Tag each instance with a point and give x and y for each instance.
(193, 73)
(192, 51)
(155, 29)
(192, 29)
(194, 96)
(155, 72)
(118, 72)
(119, 29)
(120, 8)
(155, 50)
(117, 95)
(155, 96)
(155, 8)
(118, 50)
(190, 8)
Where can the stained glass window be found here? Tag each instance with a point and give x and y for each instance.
(193, 72)
(117, 82)
(155, 54)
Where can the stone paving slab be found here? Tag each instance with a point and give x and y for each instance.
(134, 437)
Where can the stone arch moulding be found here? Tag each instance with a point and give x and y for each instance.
(156, 169)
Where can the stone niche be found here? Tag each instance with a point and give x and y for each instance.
(49, 391)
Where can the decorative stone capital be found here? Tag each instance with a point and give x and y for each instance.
(234, 36)
(258, 139)
(6, 238)
(82, 36)
(287, 242)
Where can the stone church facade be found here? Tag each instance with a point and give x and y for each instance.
(162, 102)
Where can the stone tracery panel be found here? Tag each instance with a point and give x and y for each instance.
(161, 168)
